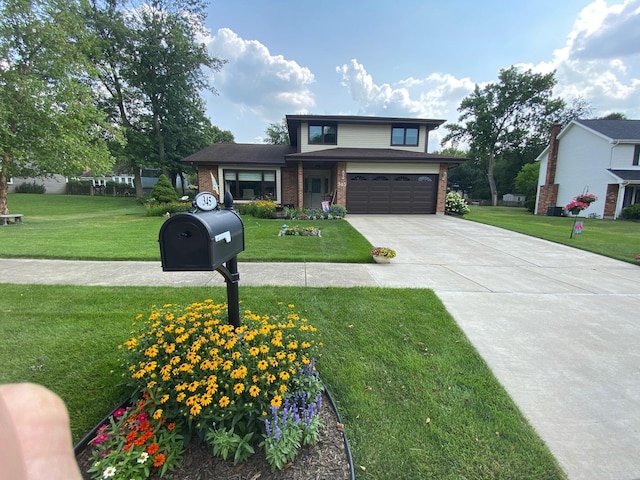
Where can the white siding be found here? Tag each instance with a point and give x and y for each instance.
(583, 160)
(392, 168)
(622, 157)
(57, 184)
(361, 136)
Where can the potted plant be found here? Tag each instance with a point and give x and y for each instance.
(383, 254)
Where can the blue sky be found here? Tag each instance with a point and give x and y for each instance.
(411, 58)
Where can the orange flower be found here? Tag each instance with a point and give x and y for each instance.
(158, 460)
(153, 448)
(171, 426)
(131, 436)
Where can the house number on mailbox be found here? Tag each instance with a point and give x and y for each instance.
(205, 201)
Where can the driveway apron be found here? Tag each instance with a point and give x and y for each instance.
(559, 328)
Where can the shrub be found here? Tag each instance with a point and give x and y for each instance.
(258, 208)
(78, 187)
(160, 209)
(118, 188)
(237, 388)
(455, 204)
(336, 212)
(163, 191)
(34, 187)
(632, 212)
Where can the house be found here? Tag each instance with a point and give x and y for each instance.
(513, 199)
(367, 164)
(56, 184)
(596, 156)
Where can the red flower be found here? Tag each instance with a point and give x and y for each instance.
(132, 436)
(171, 426)
(158, 460)
(153, 448)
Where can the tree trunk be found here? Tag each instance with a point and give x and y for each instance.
(492, 181)
(137, 182)
(4, 184)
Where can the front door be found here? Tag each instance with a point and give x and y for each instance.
(316, 189)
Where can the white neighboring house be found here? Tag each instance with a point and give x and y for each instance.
(598, 156)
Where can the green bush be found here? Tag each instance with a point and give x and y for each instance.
(160, 209)
(78, 187)
(336, 212)
(258, 208)
(34, 187)
(455, 204)
(163, 191)
(632, 212)
(117, 188)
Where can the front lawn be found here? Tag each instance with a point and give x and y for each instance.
(619, 239)
(107, 228)
(416, 398)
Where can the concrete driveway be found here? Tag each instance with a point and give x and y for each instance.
(559, 328)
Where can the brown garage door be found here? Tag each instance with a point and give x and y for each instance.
(391, 193)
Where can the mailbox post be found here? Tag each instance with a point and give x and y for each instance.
(204, 240)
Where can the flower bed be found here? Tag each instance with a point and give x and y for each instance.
(309, 231)
(235, 389)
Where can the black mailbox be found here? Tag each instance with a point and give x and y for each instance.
(200, 241)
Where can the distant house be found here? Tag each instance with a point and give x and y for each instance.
(598, 156)
(52, 184)
(513, 199)
(367, 164)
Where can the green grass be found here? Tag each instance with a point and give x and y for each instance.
(619, 239)
(107, 228)
(392, 359)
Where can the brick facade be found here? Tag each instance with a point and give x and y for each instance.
(547, 197)
(548, 194)
(442, 188)
(611, 200)
(205, 173)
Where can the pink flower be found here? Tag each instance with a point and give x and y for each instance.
(99, 439)
(118, 413)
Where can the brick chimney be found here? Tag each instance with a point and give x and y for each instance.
(552, 162)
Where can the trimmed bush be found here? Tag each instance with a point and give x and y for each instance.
(163, 191)
(34, 187)
(160, 209)
(632, 212)
(258, 208)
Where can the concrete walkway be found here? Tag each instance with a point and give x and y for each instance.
(557, 326)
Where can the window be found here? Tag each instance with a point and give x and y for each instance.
(636, 155)
(404, 136)
(10, 181)
(250, 184)
(323, 134)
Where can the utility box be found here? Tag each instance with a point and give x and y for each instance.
(554, 211)
(200, 241)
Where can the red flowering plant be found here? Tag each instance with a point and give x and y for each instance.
(580, 202)
(133, 443)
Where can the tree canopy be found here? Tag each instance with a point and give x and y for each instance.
(277, 133)
(505, 117)
(49, 118)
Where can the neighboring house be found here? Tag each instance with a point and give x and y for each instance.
(598, 156)
(52, 184)
(513, 199)
(367, 164)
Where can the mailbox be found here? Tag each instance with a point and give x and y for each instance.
(200, 241)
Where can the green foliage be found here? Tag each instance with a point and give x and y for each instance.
(49, 121)
(33, 187)
(632, 212)
(526, 182)
(455, 204)
(163, 191)
(258, 208)
(336, 212)
(78, 187)
(161, 209)
(278, 133)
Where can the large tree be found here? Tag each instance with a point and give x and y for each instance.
(153, 63)
(49, 120)
(505, 116)
(277, 133)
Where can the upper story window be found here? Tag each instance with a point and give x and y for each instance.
(323, 134)
(404, 136)
(636, 155)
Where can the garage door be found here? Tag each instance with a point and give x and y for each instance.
(391, 193)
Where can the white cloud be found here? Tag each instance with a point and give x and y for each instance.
(267, 85)
(436, 96)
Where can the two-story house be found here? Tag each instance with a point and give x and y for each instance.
(367, 164)
(598, 156)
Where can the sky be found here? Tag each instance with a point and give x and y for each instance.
(411, 58)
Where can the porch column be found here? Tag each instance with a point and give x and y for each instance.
(300, 185)
(442, 188)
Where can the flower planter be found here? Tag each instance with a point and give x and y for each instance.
(378, 259)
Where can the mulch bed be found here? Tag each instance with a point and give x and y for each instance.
(327, 459)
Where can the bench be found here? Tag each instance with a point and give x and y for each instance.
(5, 219)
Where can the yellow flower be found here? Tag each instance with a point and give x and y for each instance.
(205, 399)
(305, 344)
(227, 365)
(276, 401)
(181, 386)
(292, 345)
(264, 348)
(175, 360)
(282, 388)
(291, 305)
(284, 375)
(224, 401)
(157, 414)
(152, 351)
(254, 391)
(291, 357)
(164, 398)
(262, 365)
(271, 378)
(180, 396)
(236, 355)
(238, 388)
(193, 386)
(192, 400)
(131, 343)
(195, 410)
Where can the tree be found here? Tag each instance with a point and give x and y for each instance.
(505, 116)
(153, 65)
(278, 133)
(614, 116)
(49, 120)
(526, 182)
(163, 191)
